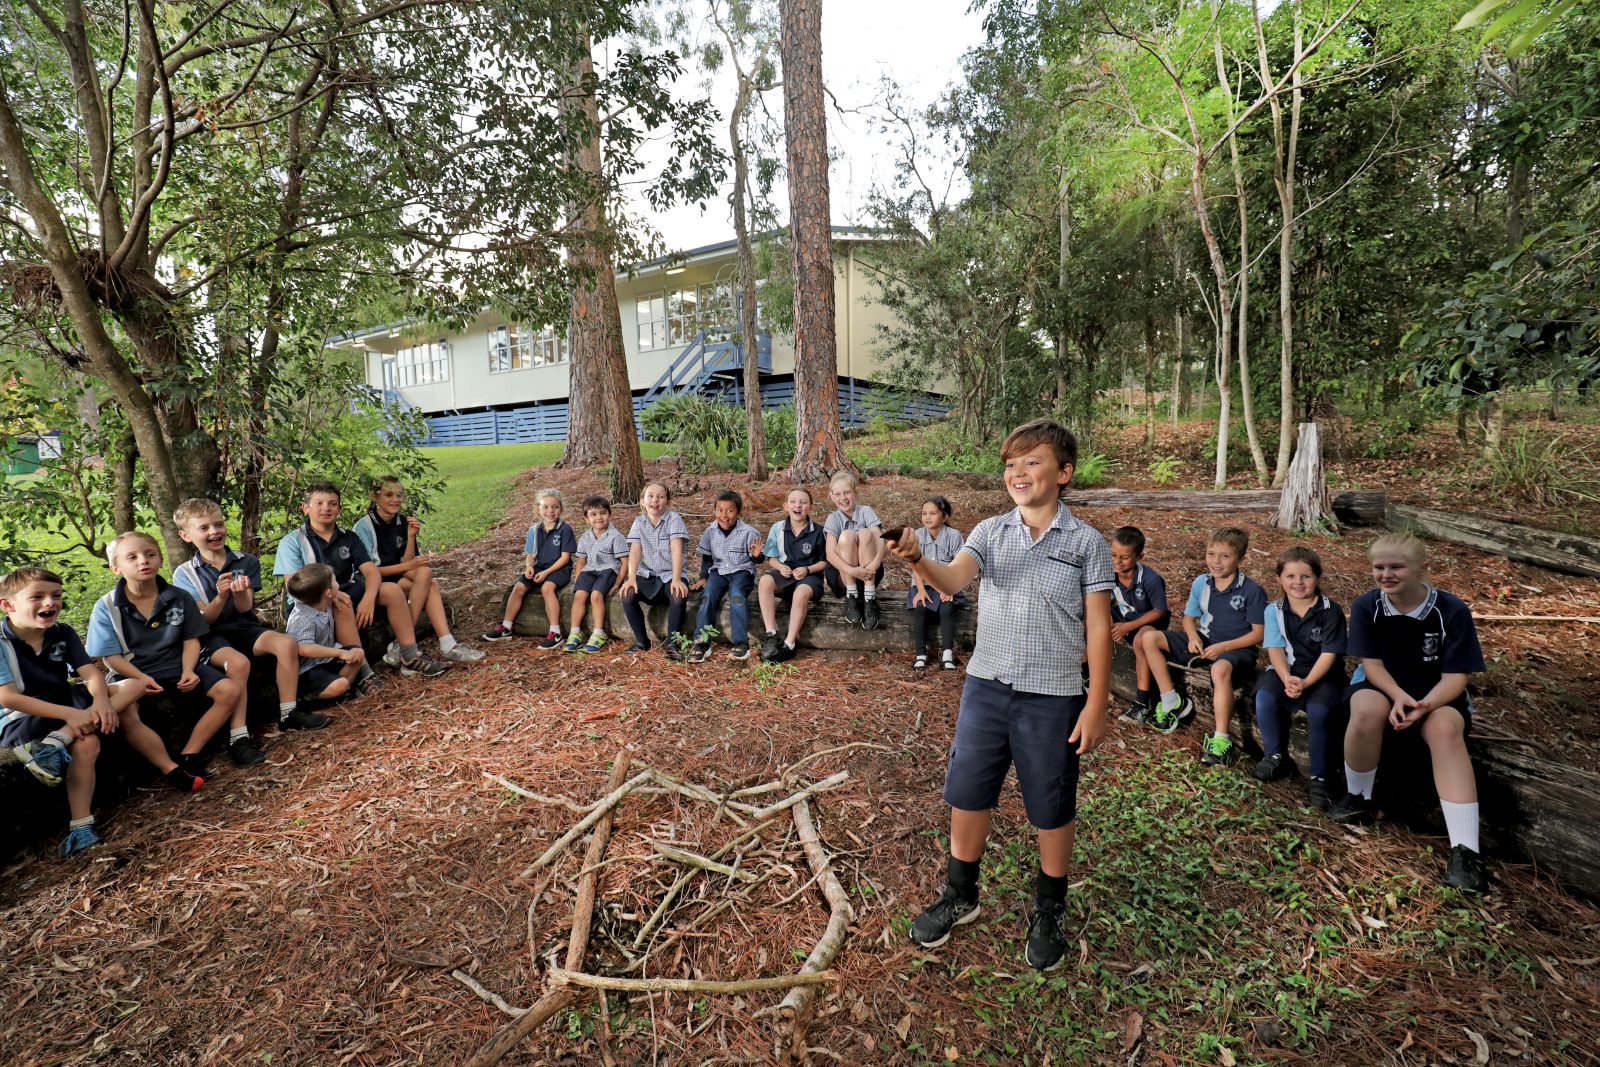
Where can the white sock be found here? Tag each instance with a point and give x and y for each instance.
(1219, 733)
(239, 733)
(285, 710)
(447, 642)
(1360, 782)
(597, 633)
(1169, 700)
(788, 644)
(506, 623)
(87, 820)
(949, 654)
(871, 592)
(1461, 823)
(851, 591)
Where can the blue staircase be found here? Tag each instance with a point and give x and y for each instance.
(704, 364)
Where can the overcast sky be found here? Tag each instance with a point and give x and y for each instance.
(917, 42)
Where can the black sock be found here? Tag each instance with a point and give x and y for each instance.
(181, 779)
(963, 875)
(1144, 698)
(1051, 888)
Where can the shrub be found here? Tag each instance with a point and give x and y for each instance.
(1094, 468)
(1542, 471)
(778, 426)
(674, 419)
(1164, 471)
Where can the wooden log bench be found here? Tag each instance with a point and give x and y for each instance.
(1534, 807)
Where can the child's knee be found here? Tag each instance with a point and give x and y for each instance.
(226, 691)
(85, 748)
(422, 574)
(336, 688)
(1444, 726)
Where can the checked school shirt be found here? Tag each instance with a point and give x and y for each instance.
(41, 675)
(311, 626)
(603, 553)
(727, 552)
(862, 518)
(1031, 597)
(1304, 638)
(1147, 590)
(655, 543)
(199, 579)
(1417, 647)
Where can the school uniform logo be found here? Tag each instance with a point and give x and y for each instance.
(174, 615)
(1236, 602)
(1316, 633)
(1430, 647)
(57, 652)
(1138, 593)
(344, 551)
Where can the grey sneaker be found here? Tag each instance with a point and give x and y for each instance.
(428, 668)
(391, 655)
(932, 928)
(463, 654)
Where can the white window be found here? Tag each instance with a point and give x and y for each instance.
(651, 310)
(422, 364)
(519, 347)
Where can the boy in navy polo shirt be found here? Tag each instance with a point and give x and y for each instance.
(547, 567)
(149, 631)
(1043, 611)
(224, 583)
(390, 537)
(320, 539)
(729, 551)
(1305, 645)
(1223, 623)
(1418, 649)
(602, 555)
(1138, 603)
(796, 553)
(37, 702)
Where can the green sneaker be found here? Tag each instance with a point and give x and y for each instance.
(596, 642)
(574, 643)
(1164, 719)
(1218, 751)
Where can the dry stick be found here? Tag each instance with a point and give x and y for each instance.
(789, 770)
(603, 808)
(560, 802)
(557, 1000)
(1535, 618)
(792, 1009)
(831, 782)
(678, 855)
(487, 994)
(683, 880)
(690, 985)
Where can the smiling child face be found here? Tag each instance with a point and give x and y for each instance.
(843, 495)
(208, 531)
(34, 606)
(655, 500)
(598, 519)
(1221, 560)
(726, 514)
(550, 510)
(798, 505)
(1394, 573)
(1298, 580)
(388, 499)
(322, 509)
(1124, 560)
(932, 517)
(1035, 478)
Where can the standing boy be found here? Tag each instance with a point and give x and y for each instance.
(150, 631)
(1043, 611)
(320, 539)
(224, 583)
(1138, 603)
(729, 550)
(1223, 623)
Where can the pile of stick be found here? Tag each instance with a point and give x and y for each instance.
(564, 982)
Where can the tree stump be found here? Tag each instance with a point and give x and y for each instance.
(1306, 503)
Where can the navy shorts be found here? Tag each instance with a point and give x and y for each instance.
(1243, 659)
(999, 726)
(1462, 704)
(559, 579)
(785, 587)
(315, 679)
(595, 582)
(32, 727)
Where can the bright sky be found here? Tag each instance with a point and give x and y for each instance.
(918, 43)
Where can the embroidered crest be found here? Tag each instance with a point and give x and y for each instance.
(1316, 634)
(174, 615)
(344, 551)
(1138, 592)
(57, 653)
(1236, 602)
(803, 546)
(1430, 647)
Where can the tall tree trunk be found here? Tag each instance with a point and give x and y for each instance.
(819, 439)
(122, 471)
(1494, 422)
(600, 426)
(1284, 150)
(756, 467)
(1149, 381)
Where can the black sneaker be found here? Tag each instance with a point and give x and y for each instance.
(303, 718)
(740, 650)
(675, 652)
(428, 668)
(932, 928)
(769, 644)
(501, 632)
(699, 652)
(244, 752)
(852, 609)
(551, 640)
(1276, 766)
(194, 764)
(1168, 720)
(1466, 871)
(1318, 794)
(366, 683)
(1352, 809)
(871, 614)
(1219, 751)
(1047, 942)
(636, 649)
(784, 651)
(1137, 714)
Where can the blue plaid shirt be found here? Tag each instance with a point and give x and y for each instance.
(1031, 600)
(728, 552)
(603, 553)
(655, 544)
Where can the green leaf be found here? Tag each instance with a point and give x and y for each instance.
(1484, 10)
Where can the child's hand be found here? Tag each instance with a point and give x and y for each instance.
(679, 590)
(187, 681)
(629, 586)
(413, 524)
(241, 583)
(756, 549)
(151, 686)
(905, 547)
(416, 561)
(353, 655)
(697, 586)
(224, 585)
(1196, 647)
(365, 609)
(341, 599)
(922, 599)
(1294, 685)
(1089, 731)
(786, 570)
(1119, 630)
(105, 716)
(1404, 713)
(81, 722)
(1211, 652)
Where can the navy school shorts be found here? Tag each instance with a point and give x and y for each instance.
(595, 582)
(32, 727)
(784, 588)
(1463, 704)
(999, 726)
(559, 579)
(315, 679)
(1243, 659)
(654, 589)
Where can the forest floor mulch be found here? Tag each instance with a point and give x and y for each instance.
(312, 910)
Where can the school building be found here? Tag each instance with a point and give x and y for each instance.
(499, 382)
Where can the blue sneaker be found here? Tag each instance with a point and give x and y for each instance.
(44, 761)
(77, 840)
(596, 642)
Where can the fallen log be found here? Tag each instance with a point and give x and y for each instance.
(1534, 806)
(1567, 553)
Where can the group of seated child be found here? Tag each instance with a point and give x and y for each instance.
(650, 567)
(1416, 647)
(189, 645)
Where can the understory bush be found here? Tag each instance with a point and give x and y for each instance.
(1543, 471)
(709, 435)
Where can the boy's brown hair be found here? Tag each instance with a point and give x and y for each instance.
(1301, 554)
(128, 535)
(323, 487)
(1030, 435)
(22, 577)
(1233, 537)
(310, 584)
(596, 501)
(193, 508)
